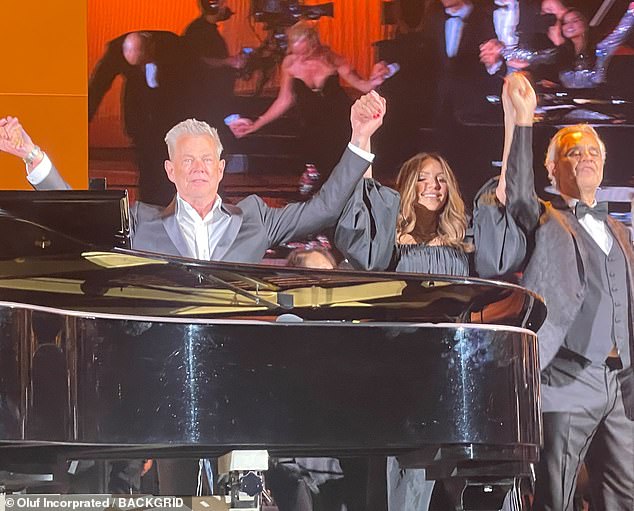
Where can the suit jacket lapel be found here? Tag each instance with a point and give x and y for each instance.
(567, 220)
(170, 223)
(230, 234)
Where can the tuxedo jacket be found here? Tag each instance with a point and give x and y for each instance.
(554, 264)
(254, 227)
(477, 29)
(142, 106)
(558, 257)
(462, 81)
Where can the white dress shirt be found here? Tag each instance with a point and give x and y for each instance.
(201, 234)
(40, 172)
(597, 229)
(453, 28)
(151, 75)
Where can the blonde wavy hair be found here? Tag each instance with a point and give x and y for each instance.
(452, 224)
(303, 29)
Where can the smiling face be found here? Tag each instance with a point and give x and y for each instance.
(431, 185)
(578, 165)
(195, 168)
(573, 25)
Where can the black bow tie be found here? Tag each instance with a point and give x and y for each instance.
(502, 7)
(600, 211)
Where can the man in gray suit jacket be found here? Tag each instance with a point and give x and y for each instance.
(198, 224)
(581, 263)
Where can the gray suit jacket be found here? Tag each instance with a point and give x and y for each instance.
(254, 227)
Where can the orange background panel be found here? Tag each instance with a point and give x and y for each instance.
(43, 82)
(44, 47)
(58, 125)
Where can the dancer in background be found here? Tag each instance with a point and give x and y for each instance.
(310, 81)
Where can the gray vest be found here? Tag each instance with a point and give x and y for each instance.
(603, 319)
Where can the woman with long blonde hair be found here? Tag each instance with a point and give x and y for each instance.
(419, 227)
(422, 227)
(310, 81)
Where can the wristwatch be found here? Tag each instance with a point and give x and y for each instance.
(35, 153)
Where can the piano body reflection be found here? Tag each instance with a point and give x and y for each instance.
(115, 353)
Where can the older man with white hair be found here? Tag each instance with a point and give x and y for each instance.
(581, 262)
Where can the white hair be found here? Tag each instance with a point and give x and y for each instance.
(191, 127)
(555, 142)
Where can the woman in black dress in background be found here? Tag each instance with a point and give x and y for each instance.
(310, 81)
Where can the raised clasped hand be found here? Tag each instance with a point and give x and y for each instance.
(519, 91)
(366, 115)
(13, 139)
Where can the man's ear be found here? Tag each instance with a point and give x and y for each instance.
(169, 170)
(550, 167)
(221, 169)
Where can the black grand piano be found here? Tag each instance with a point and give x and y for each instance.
(106, 352)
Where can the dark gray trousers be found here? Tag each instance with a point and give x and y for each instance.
(592, 426)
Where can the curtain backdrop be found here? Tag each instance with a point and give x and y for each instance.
(351, 32)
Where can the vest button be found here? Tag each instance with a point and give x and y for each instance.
(612, 274)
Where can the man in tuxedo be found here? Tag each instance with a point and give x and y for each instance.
(453, 33)
(581, 263)
(150, 64)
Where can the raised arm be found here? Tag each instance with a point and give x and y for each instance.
(350, 75)
(40, 171)
(517, 166)
(285, 100)
(505, 213)
(103, 74)
(608, 46)
(300, 219)
(14, 140)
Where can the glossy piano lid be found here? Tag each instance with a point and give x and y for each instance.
(144, 284)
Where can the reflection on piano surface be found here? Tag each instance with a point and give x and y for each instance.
(114, 353)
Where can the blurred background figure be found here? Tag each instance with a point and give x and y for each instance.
(150, 64)
(211, 70)
(409, 16)
(310, 81)
(583, 60)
